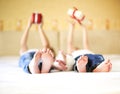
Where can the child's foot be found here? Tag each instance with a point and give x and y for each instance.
(105, 66)
(47, 61)
(33, 66)
(81, 63)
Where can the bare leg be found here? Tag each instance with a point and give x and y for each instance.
(105, 66)
(23, 41)
(81, 63)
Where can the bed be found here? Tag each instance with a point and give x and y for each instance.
(14, 81)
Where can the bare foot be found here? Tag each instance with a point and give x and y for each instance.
(81, 63)
(33, 66)
(47, 61)
(105, 66)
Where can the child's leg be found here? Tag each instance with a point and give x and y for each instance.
(105, 66)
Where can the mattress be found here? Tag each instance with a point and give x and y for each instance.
(14, 81)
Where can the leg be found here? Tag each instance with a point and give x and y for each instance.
(81, 63)
(23, 41)
(105, 66)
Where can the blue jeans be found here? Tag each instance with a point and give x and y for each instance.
(24, 61)
(93, 61)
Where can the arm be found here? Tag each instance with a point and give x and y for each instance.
(59, 65)
(23, 41)
(60, 62)
(70, 47)
(43, 37)
(85, 37)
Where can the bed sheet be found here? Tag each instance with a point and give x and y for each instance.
(14, 81)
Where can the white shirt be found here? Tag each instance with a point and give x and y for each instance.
(81, 52)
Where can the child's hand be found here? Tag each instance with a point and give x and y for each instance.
(59, 64)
